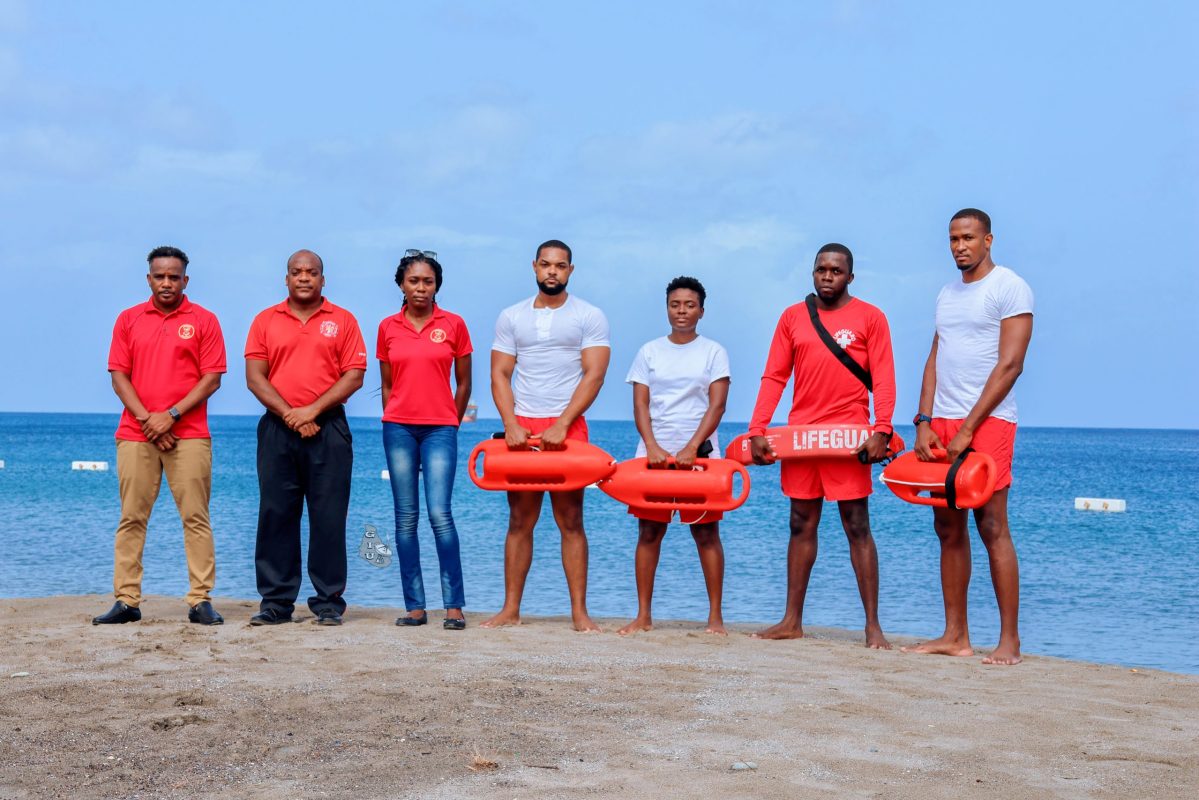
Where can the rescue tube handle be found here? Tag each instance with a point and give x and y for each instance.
(533, 441)
(744, 473)
(951, 490)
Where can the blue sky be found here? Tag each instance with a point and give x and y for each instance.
(722, 140)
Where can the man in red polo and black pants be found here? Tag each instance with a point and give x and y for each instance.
(166, 360)
(304, 358)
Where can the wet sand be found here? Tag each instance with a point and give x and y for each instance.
(162, 708)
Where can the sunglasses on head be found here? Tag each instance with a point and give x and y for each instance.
(420, 253)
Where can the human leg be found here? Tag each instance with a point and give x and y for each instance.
(950, 525)
(523, 510)
(801, 556)
(711, 561)
(863, 554)
(645, 565)
(280, 506)
(139, 477)
(188, 468)
(992, 522)
(568, 513)
(402, 450)
(328, 461)
(439, 460)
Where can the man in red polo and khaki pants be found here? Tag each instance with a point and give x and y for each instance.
(166, 360)
(304, 358)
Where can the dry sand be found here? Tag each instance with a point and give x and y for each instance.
(162, 708)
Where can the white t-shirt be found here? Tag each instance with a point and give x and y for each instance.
(548, 345)
(968, 317)
(678, 377)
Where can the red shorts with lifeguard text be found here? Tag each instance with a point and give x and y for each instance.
(996, 437)
(537, 425)
(831, 478)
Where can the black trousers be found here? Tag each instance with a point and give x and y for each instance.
(291, 470)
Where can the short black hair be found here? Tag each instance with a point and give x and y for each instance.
(166, 251)
(408, 261)
(834, 247)
(558, 243)
(974, 213)
(687, 282)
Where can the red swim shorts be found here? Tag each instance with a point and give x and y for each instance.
(536, 425)
(830, 478)
(684, 516)
(996, 437)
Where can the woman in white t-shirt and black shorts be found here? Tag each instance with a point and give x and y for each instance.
(680, 386)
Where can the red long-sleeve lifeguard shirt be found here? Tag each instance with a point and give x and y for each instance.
(825, 391)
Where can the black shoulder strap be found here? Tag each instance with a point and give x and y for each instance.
(951, 489)
(836, 349)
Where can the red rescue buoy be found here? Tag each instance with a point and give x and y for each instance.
(708, 486)
(811, 441)
(925, 482)
(579, 464)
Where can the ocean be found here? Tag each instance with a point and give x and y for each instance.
(1114, 588)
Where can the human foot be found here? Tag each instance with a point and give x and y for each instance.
(637, 626)
(502, 620)
(784, 630)
(942, 646)
(1005, 654)
(583, 623)
(716, 628)
(875, 639)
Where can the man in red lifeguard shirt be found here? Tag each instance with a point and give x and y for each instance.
(304, 358)
(166, 359)
(827, 392)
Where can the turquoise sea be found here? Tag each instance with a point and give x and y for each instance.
(1117, 588)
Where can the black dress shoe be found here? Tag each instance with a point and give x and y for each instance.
(454, 624)
(270, 616)
(327, 617)
(202, 613)
(412, 622)
(119, 614)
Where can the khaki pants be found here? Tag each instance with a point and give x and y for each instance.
(188, 467)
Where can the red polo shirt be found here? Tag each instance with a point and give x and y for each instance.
(420, 367)
(164, 356)
(305, 358)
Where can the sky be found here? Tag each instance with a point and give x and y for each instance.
(727, 141)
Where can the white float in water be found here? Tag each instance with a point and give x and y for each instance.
(1, 463)
(90, 466)
(385, 475)
(1099, 504)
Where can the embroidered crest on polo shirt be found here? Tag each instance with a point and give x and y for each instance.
(844, 337)
(328, 328)
(187, 331)
(437, 335)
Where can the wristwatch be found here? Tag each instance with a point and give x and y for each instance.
(921, 418)
(174, 412)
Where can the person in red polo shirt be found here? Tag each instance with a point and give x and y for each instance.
(166, 360)
(304, 358)
(421, 413)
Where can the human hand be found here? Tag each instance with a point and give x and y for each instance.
(156, 424)
(655, 456)
(308, 430)
(875, 447)
(297, 418)
(762, 452)
(516, 437)
(926, 442)
(554, 437)
(166, 442)
(685, 458)
(959, 442)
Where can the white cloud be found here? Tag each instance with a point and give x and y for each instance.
(475, 139)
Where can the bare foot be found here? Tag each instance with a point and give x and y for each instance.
(502, 619)
(583, 623)
(637, 626)
(875, 639)
(784, 630)
(942, 647)
(1004, 654)
(716, 628)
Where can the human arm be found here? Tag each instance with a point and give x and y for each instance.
(349, 382)
(159, 422)
(655, 455)
(718, 395)
(385, 382)
(462, 384)
(1015, 333)
(595, 367)
(880, 361)
(926, 440)
(780, 362)
(502, 366)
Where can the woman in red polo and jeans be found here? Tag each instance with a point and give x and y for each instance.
(421, 413)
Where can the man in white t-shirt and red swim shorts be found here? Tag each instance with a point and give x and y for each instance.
(548, 363)
(984, 325)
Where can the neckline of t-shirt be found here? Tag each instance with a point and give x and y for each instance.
(982, 280)
(666, 339)
(533, 304)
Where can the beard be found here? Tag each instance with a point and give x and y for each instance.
(552, 291)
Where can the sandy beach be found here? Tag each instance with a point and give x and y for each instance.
(162, 708)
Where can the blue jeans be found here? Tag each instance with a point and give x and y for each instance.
(433, 450)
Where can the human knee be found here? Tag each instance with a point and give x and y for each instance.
(441, 521)
(949, 528)
(993, 529)
(650, 532)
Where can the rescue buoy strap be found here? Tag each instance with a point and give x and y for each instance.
(951, 491)
(845, 358)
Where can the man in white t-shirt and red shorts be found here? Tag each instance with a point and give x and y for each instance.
(548, 363)
(984, 325)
